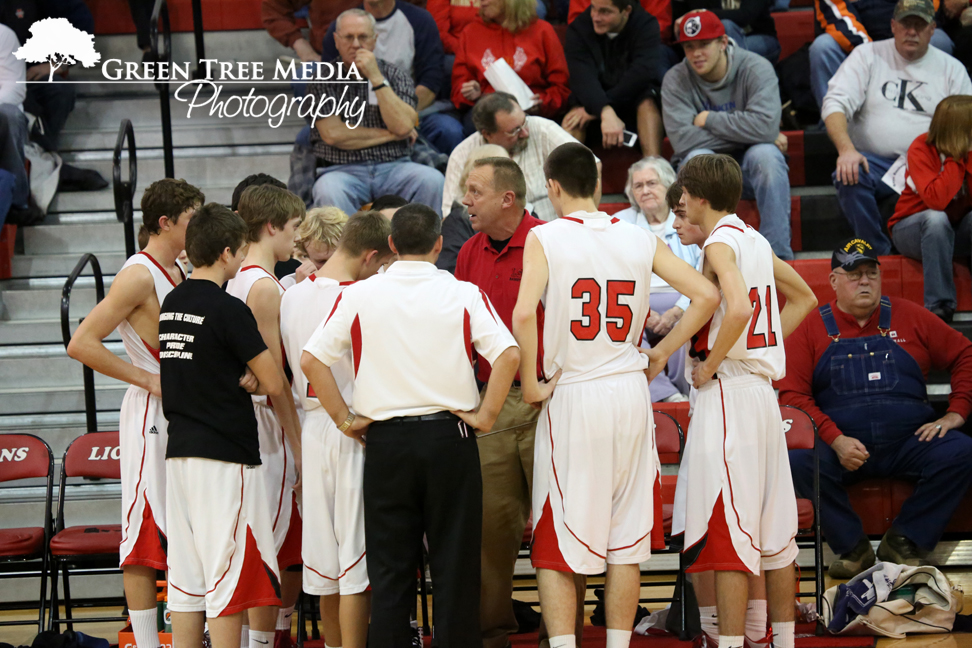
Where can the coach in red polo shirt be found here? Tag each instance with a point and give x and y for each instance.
(493, 260)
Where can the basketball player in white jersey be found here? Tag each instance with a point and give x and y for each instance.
(272, 215)
(735, 494)
(595, 459)
(333, 549)
(132, 306)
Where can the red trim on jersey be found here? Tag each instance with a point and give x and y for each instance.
(467, 335)
(559, 490)
(141, 467)
(269, 274)
(615, 220)
(343, 574)
(159, 266)
(236, 527)
(739, 229)
(541, 314)
(256, 586)
(545, 549)
(283, 478)
(356, 343)
(289, 554)
(725, 434)
(571, 219)
(154, 352)
(310, 391)
(489, 306)
(334, 308)
(148, 551)
(346, 283)
(718, 553)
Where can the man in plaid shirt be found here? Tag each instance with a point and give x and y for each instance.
(357, 164)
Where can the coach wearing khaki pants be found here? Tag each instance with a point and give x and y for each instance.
(493, 260)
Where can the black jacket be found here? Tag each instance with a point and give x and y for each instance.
(619, 71)
(19, 15)
(752, 16)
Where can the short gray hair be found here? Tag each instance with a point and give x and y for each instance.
(361, 13)
(661, 167)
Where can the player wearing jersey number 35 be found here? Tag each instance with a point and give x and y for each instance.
(595, 463)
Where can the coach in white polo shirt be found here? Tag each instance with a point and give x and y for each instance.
(411, 333)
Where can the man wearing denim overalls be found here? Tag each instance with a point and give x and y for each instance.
(858, 366)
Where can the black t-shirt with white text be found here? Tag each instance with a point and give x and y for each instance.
(206, 337)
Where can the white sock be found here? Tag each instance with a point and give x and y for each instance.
(783, 634)
(145, 627)
(563, 641)
(261, 639)
(245, 636)
(617, 638)
(756, 623)
(283, 618)
(709, 619)
(730, 642)
(326, 646)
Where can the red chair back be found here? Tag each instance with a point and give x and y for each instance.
(23, 456)
(668, 438)
(95, 454)
(799, 428)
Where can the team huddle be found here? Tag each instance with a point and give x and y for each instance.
(333, 424)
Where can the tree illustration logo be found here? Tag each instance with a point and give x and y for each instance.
(58, 42)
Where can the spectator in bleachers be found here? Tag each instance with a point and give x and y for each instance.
(846, 25)
(456, 228)
(883, 97)
(750, 24)
(614, 55)
(15, 202)
(408, 38)
(279, 20)
(51, 102)
(859, 367)
(451, 17)
(362, 163)
(933, 218)
(648, 183)
(527, 139)
(724, 99)
(510, 29)
(660, 9)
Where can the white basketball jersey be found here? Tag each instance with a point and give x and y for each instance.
(596, 302)
(240, 285)
(759, 350)
(142, 355)
(304, 309)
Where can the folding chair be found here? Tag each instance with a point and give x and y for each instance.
(801, 434)
(93, 549)
(23, 550)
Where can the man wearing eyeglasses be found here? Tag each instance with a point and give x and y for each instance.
(859, 367)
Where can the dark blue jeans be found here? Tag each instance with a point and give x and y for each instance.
(940, 468)
(859, 202)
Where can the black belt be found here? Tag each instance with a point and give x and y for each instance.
(438, 416)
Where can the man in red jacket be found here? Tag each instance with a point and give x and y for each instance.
(859, 367)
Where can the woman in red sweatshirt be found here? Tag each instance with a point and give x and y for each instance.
(510, 29)
(933, 218)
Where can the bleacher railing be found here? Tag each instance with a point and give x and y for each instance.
(124, 190)
(160, 13)
(90, 404)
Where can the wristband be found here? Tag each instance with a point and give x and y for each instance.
(347, 422)
(379, 86)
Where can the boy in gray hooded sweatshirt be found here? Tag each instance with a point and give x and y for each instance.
(723, 99)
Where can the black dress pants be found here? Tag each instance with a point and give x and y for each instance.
(423, 477)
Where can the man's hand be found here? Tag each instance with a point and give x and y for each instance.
(612, 128)
(700, 119)
(850, 451)
(305, 51)
(412, 136)
(653, 321)
(39, 72)
(938, 428)
(656, 362)
(847, 165)
(545, 391)
(955, 7)
(249, 382)
(359, 427)
(577, 117)
(702, 373)
(366, 62)
(668, 320)
(306, 269)
(471, 90)
(782, 143)
(154, 385)
(966, 17)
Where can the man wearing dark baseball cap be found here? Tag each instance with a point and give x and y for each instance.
(859, 367)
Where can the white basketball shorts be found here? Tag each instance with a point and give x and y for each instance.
(280, 475)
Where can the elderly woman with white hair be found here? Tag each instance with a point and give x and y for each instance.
(648, 182)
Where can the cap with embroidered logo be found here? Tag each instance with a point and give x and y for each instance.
(852, 253)
(700, 25)
(924, 9)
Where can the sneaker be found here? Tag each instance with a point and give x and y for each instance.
(417, 637)
(945, 313)
(282, 639)
(895, 548)
(850, 564)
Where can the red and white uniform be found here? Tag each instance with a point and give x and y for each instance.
(280, 474)
(143, 434)
(333, 548)
(734, 500)
(595, 461)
